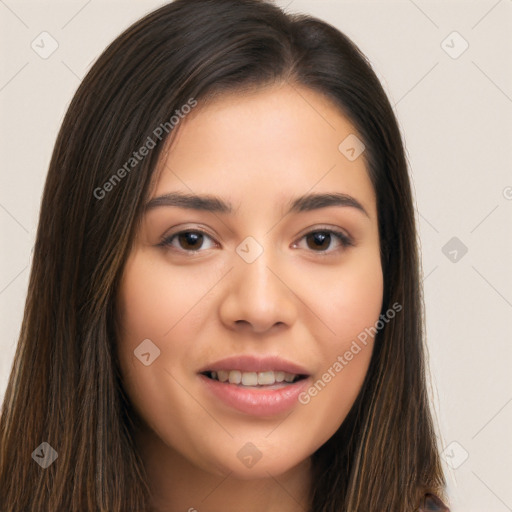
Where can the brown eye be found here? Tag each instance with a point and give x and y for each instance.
(186, 241)
(321, 240)
(190, 240)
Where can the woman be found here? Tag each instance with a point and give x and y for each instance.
(224, 310)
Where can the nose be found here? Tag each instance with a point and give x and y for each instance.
(258, 296)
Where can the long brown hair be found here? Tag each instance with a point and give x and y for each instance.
(65, 386)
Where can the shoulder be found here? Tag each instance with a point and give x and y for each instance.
(431, 503)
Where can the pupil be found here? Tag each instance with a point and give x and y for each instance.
(319, 239)
(190, 237)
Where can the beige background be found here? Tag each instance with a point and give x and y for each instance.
(455, 112)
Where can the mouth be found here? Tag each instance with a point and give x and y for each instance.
(268, 379)
(254, 385)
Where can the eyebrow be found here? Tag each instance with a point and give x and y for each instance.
(210, 203)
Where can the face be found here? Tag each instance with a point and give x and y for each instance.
(257, 285)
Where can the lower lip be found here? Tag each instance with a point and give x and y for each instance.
(256, 402)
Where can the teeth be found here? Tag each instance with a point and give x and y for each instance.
(249, 378)
(222, 375)
(253, 378)
(266, 378)
(235, 377)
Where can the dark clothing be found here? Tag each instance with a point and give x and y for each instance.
(432, 503)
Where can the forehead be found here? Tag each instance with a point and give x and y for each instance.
(275, 143)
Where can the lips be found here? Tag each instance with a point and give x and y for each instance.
(272, 384)
(253, 364)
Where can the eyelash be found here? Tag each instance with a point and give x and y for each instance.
(344, 240)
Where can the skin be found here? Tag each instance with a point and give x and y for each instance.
(305, 304)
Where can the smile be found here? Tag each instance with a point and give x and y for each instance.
(253, 379)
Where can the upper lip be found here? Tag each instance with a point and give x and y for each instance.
(247, 363)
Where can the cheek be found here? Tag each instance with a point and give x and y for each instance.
(153, 301)
(349, 298)
(150, 305)
(154, 304)
(357, 300)
(350, 308)
(145, 303)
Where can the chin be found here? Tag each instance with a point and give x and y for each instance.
(241, 469)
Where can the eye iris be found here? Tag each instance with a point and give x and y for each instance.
(189, 236)
(319, 238)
